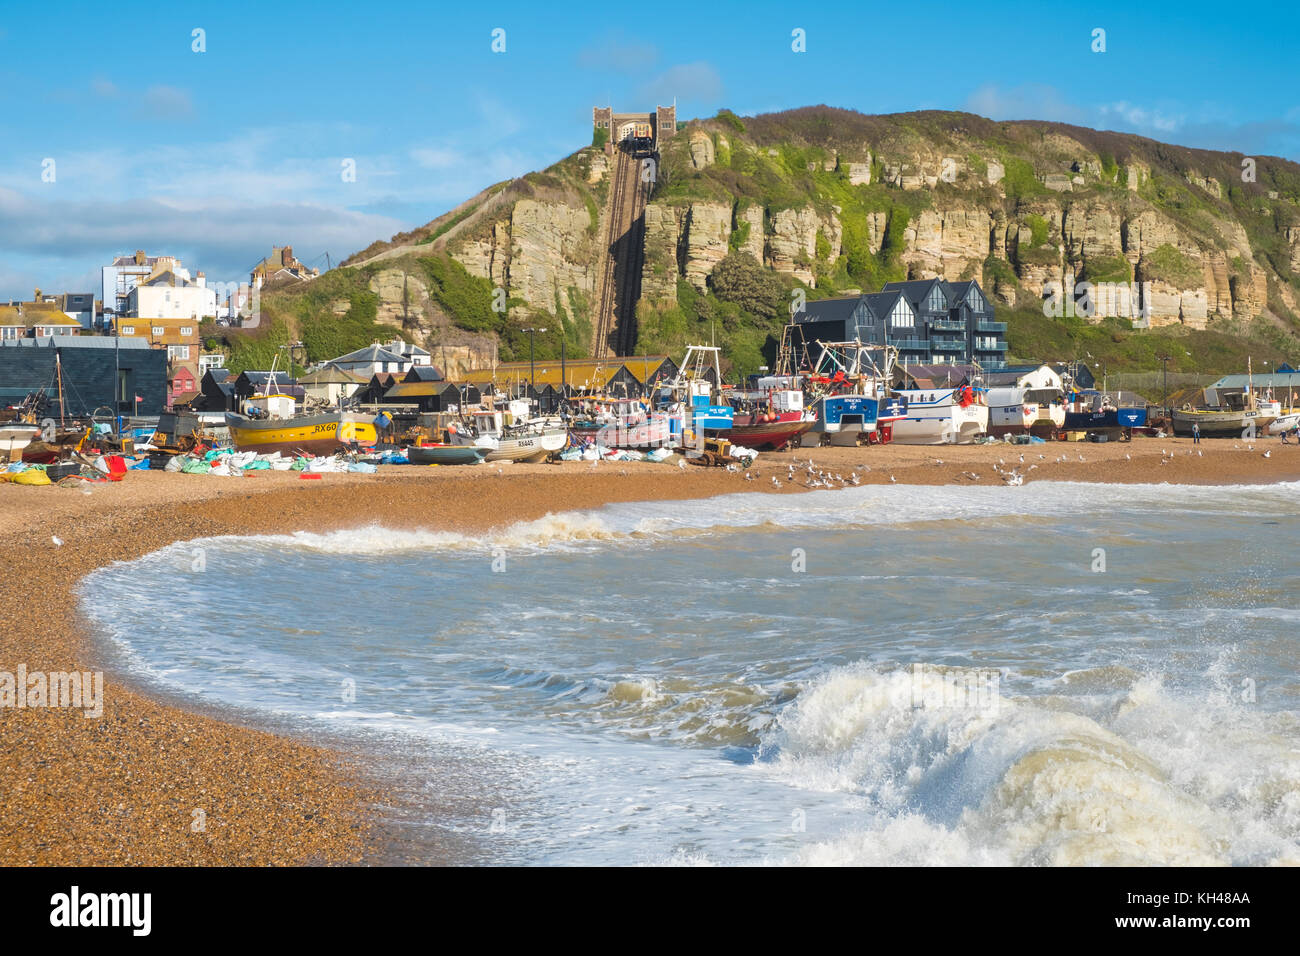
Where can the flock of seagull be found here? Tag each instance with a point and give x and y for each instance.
(808, 475)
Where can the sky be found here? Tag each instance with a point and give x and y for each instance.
(124, 128)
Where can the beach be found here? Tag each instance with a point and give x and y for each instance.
(124, 788)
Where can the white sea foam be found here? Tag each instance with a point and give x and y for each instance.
(849, 508)
(1168, 782)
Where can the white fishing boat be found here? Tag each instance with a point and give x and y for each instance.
(1015, 410)
(491, 429)
(941, 416)
(14, 437)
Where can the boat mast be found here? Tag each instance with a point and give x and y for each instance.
(58, 371)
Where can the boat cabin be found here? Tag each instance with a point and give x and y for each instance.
(270, 406)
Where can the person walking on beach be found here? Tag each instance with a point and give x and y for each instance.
(1196, 433)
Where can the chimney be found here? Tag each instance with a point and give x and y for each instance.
(36, 296)
(201, 280)
(286, 256)
(139, 257)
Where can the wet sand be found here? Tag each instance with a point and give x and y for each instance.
(123, 788)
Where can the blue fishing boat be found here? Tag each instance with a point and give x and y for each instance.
(438, 454)
(842, 420)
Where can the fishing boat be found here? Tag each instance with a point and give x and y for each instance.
(941, 416)
(845, 390)
(1287, 423)
(620, 423)
(1239, 415)
(1015, 410)
(14, 437)
(268, 424)
(768, 415)
(487, 428)
(438, 453)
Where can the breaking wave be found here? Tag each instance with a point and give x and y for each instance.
(1153, 778)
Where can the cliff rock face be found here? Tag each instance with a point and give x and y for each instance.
(538, 255)
(752, 216)
(663, 235)
(792, 246)
(702, 152)
(708, 230)
(947, 243)
(1118, 210)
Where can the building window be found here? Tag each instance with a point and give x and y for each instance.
(937, 301)
(158, 330)
(8, 332)
(187, 330)
(976, 300)
(128, 330)
(901, 315)
(181, 352)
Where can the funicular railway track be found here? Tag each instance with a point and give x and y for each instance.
(625, 251)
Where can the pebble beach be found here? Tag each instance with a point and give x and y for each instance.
(124, 788)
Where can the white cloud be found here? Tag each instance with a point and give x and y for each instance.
(1139, 118)
(1028, 101)
(162, 102)
(435, 157)
(223, 238)
(616, 52)
(697, 82)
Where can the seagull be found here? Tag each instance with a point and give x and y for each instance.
(1022, 459)
(1014, 479)
(1127, 456)
(1199, 453)
(892, 480)
(1081, 458)
(748, 476)
(58, 543)
(1032, 467)
(1042, 457)
(775, 483)
(680, 464)
(1268, 454)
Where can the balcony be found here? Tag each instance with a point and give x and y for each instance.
(911, 345)
(990, 346)
(948, 325)
(948, 343)
(988, 325)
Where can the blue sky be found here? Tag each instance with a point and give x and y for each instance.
(216, 156)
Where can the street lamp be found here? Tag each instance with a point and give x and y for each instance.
(1164, 361)
(532, 361)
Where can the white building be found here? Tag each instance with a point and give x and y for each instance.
(372, 359)
(414, 353)
(119, 278)
(172, 294)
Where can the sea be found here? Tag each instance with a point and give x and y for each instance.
(1051, 674)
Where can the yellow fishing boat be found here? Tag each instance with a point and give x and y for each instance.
(270, 425)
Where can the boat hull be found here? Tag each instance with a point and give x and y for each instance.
(960, 426)
(15, 437)
(758, 435)
(655, 433)
(445, 454)
(305, 434)
(521, 448)
(1219, 424)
